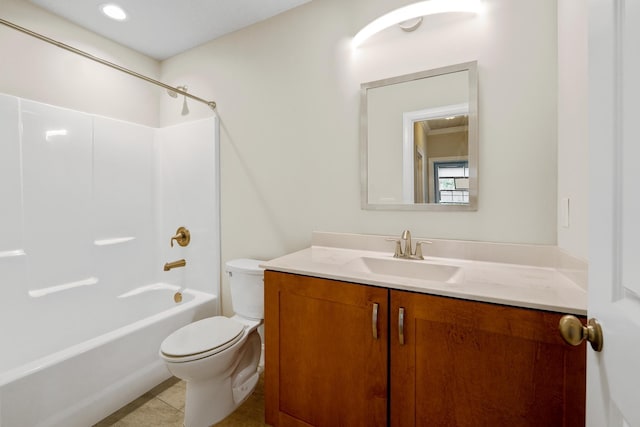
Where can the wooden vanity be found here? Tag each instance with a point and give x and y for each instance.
(467, 337)
(338, 354)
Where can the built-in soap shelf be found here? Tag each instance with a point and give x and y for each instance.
(13, 253)
(37, 293)
(112, 241)
(151, 288)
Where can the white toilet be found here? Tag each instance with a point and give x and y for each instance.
(218, 357)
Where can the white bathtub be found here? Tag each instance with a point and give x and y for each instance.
(79, 371)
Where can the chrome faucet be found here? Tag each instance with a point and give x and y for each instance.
(406, 236)
(179, 263)
(407, 252)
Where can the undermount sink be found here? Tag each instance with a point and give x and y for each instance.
(413, 269)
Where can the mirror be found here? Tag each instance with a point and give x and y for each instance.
(419, 140)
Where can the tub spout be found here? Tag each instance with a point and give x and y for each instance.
(179, 263)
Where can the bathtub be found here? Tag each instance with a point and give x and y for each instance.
(97, 364)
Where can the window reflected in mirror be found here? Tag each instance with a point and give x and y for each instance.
(451, 182)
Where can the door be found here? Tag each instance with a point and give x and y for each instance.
(613, 389)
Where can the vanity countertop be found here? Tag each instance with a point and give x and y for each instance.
(530, 286)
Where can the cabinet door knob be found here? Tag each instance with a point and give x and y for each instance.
(401, 325)
(374, 320)
(574, 332)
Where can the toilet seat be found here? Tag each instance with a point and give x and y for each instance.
(201, 339)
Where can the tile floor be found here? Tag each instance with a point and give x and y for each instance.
(164, 407)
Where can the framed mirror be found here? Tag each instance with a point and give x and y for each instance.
(419, 140)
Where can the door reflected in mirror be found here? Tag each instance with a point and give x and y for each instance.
(419, 140)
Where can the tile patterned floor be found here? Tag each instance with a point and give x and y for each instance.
(164, 407)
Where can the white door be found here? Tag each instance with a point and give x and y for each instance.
(613, 375)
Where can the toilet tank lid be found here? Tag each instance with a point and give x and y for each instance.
(244, 265)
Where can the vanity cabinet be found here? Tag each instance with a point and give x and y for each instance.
(323, 365)
(466, 363)
(332, 359)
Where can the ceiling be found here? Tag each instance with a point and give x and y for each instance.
(164, 28)
(455, 123)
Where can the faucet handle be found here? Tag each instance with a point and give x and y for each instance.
(398, 251)
(183, 237)
(418, 253)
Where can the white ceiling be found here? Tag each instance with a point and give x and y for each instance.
(163, 28)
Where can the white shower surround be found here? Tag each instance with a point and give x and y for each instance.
(88, 207)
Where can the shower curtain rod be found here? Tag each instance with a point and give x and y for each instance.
(72, 49)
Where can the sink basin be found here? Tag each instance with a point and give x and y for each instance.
(412, 269)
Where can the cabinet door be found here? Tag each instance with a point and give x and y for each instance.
(323, 365)
(474, 364)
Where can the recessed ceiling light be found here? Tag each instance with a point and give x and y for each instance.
(113, 11)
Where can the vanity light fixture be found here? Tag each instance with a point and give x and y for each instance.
(113, 11)
(412, 11)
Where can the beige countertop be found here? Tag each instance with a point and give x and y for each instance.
(538, 286)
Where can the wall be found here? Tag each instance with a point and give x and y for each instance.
(187, 154)
(90, 204)
(288, 100)
(77, 219)
(448, 144)
(290, 113)
(573, 147)
(42, 72)
(99, 204)
(188, 193)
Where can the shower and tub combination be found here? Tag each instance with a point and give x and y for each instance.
(90, 209)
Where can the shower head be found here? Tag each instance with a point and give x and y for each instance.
(185, 108)
(174, 94)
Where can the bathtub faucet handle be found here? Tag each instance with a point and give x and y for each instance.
(183, 237)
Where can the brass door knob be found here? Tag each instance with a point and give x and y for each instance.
(183, 237)
(574, 332)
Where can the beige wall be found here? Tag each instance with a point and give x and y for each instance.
(276, 80)
(36, 70)
(288, 96)
(448, 144)
(573, 147)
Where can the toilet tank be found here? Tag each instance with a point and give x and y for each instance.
(246, 282)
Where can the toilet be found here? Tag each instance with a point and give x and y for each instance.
(218, 357)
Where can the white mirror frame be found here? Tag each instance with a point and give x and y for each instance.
(470, 108)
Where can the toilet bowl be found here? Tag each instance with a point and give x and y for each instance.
(218, 357)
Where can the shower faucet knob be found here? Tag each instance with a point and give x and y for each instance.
(183, 237)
